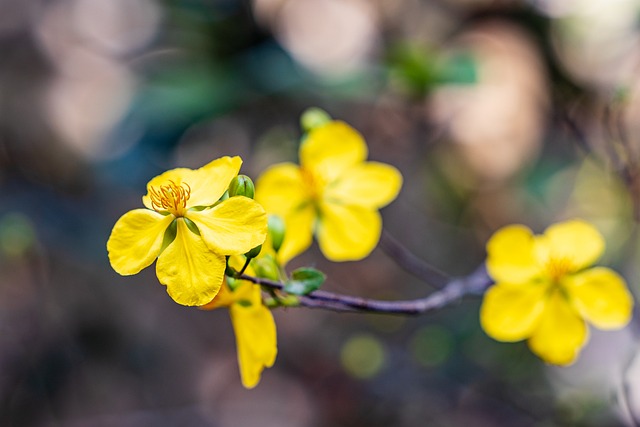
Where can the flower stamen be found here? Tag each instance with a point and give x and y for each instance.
(558, 267)
(170, 197)
(313, 183)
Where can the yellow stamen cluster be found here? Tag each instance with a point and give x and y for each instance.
(170, 197)
(558, 267)
(313, 183)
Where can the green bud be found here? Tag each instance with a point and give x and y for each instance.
(233, 283)
(254, 252)
(266, 268)
(314, 117)
(242, 185)
(271, 303)
(282, 301)
(276, 231)
(289, 301)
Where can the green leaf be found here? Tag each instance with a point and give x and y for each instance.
(304, 281)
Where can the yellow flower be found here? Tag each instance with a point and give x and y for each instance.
(253, 325)
(187, 231)
(334, 193)
(545, 290)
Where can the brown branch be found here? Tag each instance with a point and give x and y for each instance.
(308, 302)
(474, 284)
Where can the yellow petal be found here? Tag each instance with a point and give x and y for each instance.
(575, 241)
(332, 148)
(560, 334)
(256, 340)
(224, 298)
(233, 227)
(213, 180)
(368, 184)
(510, 255)
(207, 184)
(601, 296)
(281, 189)
(247, 292)
(298, 233)
(347, 233)
(136, 240)
(192, 273)
(512, 312)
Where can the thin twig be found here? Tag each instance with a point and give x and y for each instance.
(324, 305)
(474, 284)
(411, 263)
(579, 136)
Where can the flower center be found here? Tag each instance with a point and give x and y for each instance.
(558, 267)
(313, 183)
(170, 197)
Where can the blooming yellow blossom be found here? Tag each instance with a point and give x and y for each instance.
(253, 325)
(334, 193)
(545, 289)
(187, 231)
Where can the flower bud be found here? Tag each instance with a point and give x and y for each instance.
(314, 117)
(276, 231)
(241, 185)
(289, 301)
(254, 252)
(266, 268)
(233, 283)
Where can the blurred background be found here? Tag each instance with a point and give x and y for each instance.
(496, 112)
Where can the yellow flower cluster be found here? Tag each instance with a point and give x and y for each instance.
(190, 228)
(545, 289)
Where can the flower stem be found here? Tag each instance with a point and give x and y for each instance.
(474, 284)
(244, 267)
